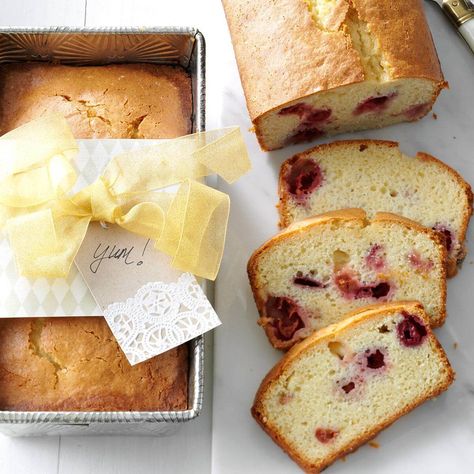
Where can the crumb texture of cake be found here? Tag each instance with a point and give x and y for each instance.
(75, 364)
(111, 101)
(377, 176)
(337, 389)
(306, 277)
(311, 68)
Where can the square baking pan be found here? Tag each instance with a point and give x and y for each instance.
(99, 46)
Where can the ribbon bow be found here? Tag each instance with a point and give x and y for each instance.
(46, 225)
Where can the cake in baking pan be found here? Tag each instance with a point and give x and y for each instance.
(337, 389)
(111, 101)
(306, 277)
(377, 176)
(75, 364)
(319, 67)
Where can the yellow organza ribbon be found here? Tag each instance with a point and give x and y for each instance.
(46, 225)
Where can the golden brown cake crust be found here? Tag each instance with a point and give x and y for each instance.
(283, 204)
(405, 38)
(283, 55)
(112, 101)
(352, 319)
(334, 216)
(75, 364)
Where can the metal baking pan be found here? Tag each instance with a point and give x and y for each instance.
(99, 46)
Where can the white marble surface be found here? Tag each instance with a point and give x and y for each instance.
(436, 438)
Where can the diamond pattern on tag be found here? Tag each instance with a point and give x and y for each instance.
(159, 317)
(21, 297)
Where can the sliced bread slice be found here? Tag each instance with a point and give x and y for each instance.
(309, 275)
(377, 176)
(337, 389)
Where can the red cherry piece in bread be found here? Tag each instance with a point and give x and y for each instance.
(411, 330)
(325, 435)
(286, 317)
(307, 280)
(305, 135)
(374, 104)
(448, 235)
(311, 119)
(347, 283)
(348, 387)
(419, 263)
(363, 292)
(307, 112)
(351, 288)
(417, 111)
(375, 360)
(303, 177)
(380, 291)
(375, 258)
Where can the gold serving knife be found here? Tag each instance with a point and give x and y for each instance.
(461, 13)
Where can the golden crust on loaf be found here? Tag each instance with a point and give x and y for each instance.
(401, 28)
(111, 101)
(75, 364)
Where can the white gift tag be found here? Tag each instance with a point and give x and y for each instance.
(149, 306)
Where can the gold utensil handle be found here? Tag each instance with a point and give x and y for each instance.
(459, 11)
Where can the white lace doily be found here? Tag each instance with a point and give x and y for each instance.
(160, 316)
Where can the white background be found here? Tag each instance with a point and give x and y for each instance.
(437, 438)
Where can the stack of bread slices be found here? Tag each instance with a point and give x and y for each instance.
(353, 284)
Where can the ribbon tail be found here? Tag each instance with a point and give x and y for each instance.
(225, 153)
(195, 228)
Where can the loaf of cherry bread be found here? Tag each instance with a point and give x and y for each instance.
(376, 176)
(309, 275)
(319, 67)
(337, 389)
